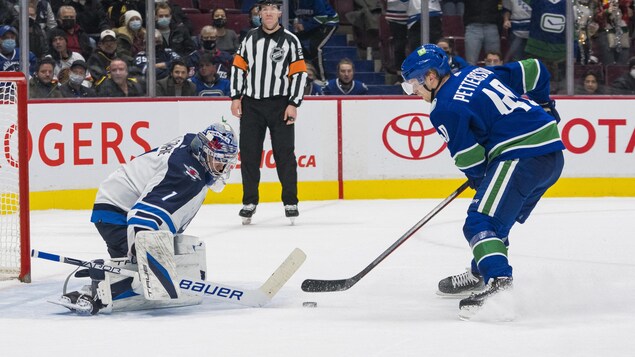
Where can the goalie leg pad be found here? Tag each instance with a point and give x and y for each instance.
(157, 268)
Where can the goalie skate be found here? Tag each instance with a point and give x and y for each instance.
(461, 285)
(79, 303)
(247, 212)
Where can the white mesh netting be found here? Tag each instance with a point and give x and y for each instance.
(9, 182)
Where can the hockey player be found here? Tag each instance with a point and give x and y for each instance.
(508, 147)
(161, 190)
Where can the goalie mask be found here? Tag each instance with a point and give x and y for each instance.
(421, 61)
(216, 148)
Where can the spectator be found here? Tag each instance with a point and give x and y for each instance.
(44, 15)
(99, 61)
(60, 53)
(176, 84)
(163, 58)
(175, 36)
(77, 39)
(207, 44)
(314, 21)
(365, 21)
(42, 84)
(38, 43)
(590, 84)
(613, 36)
(625, 84)
(207, 81)
(8, 13)
(414, 22)
(585, 30)
(311, 87)
(91, 16)
(516, 18)
(119, 84)
(397, 17)
(116, 10)
(254, 21)
(456, 62)
(547, 43)
(481, 19)
(453, 7)
(226, 39)
(178, 16)
(493, 58)
(74, 88)
(10, 54)
(345, 84)
(131, 36)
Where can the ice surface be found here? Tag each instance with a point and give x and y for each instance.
(574, 276)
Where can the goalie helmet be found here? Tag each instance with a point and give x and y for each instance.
(422, 60)
(216, 148)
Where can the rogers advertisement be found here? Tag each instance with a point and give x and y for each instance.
(76, 145)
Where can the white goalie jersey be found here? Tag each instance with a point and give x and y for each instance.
(162, 189)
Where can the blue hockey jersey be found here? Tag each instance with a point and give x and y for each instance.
(220, 88)
(483, 118)
(334, 87)
(162, 189)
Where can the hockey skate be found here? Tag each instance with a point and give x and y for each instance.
(469, 306)
(291, 212)
(247, 212)
(88, 300)
(461, 285)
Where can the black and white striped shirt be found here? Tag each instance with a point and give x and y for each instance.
(269, 65)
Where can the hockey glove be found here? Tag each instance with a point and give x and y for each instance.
(550, 108)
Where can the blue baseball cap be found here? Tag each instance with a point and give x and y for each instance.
(6, 28)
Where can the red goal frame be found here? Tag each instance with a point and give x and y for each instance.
(23, 165)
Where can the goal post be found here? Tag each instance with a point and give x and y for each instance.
(15, 260)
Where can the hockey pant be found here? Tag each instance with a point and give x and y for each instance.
(509, 192)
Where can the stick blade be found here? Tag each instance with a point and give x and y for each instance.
(322, 286)
(284, 272)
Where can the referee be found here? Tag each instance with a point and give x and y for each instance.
(267, 85)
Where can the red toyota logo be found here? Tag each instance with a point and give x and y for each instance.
(405, 137)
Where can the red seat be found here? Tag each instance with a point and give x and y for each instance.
(613, 71)
(453, 26)
(209, 5)
(343, 7)
(198, 21)
(190, 10)
(183, 3)
(238, 21)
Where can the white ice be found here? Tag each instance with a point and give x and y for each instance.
(574, 295)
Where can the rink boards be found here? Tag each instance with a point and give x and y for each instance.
(351, 148)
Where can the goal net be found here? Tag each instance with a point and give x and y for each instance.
(14, 186)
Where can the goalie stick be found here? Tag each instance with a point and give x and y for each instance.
(317, 286)
(216, 291)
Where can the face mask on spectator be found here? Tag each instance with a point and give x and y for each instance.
(164, 22)
(134, 25)
(76, 78)
(256, 21)
(68, 24)
(209, 45)
(220, 22)
(8, 45)
(633, 72)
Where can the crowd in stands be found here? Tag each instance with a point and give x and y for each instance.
(88, 48)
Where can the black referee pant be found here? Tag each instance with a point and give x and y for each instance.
(257, 116)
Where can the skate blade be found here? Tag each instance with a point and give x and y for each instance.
(246, 221)
(81, 309)
(461, 295)
(292, 219)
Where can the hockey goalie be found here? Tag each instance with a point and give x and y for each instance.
(141, 211)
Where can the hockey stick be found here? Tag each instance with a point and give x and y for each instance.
(216, 291)
(316, 286)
